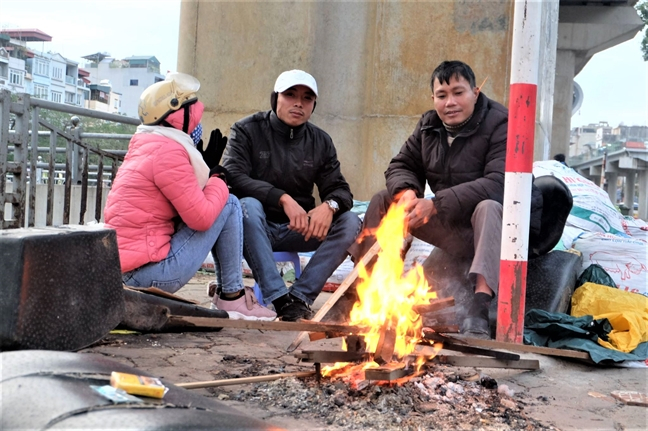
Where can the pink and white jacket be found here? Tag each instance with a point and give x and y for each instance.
(155, 184)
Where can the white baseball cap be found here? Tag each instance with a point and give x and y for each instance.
(294, 77)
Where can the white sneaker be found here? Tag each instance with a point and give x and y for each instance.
(244, 308)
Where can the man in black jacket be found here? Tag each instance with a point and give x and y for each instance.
(459, 148)
(274, 159)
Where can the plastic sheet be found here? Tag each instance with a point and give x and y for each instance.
(626, 312)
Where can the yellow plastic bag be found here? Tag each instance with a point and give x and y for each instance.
(626, 311)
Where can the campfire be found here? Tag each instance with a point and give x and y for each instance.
(390, 299)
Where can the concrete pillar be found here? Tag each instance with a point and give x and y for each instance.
(612, 178)
(643, 194)
(562, 101)
(372, 62)
(546, 81)
(629, 189)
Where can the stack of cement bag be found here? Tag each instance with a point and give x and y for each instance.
(600, 232)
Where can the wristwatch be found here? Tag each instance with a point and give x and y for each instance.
(333, 205)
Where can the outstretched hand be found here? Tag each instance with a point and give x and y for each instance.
(419, 212)
(214, 151)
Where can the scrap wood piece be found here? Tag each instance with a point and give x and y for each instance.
(480, 351)
(314, 336)
(481, 362)
(329, 356)
(435, 305)
(386, 342)
(389, 372)
(373, 251)
(243, 380)
(631, 398)
(355, 343)
(444, 329)
(215, 322)
(460, 346)
(524, 348)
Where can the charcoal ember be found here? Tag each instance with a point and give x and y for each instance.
(488, 382)
(339, 399)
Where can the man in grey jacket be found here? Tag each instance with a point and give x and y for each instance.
(274, 159)
(459, 148)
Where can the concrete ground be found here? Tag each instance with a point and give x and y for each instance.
(568, 395)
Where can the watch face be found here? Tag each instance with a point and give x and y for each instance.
(333, 204)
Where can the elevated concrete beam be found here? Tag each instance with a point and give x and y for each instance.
(582, 32)
(592, 29)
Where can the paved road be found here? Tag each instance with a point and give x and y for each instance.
(577, 396)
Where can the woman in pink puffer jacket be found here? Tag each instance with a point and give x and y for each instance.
(169, 209)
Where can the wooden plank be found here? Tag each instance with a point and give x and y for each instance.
(444, 329)
(243, 380)
(314, 336)
(388, 372)
(386, 342)
(480, 351)
(436, 305)
(481, 362)
(631, 398)
(328, 356)
(373, 251)
(215, 322)
(524, 348)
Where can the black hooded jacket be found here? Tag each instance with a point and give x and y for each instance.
(266, 158)
(463, 174)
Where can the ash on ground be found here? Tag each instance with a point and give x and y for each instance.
(440, 398)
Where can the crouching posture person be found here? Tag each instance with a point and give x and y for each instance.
(170, 210)
(459, 148)
(274, 159)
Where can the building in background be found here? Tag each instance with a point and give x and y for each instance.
(107, 84)
(590, 140)
(104, 98)
(631, 133)
(127, 77)
(44, 75)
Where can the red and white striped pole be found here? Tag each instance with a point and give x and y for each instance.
(525, 54)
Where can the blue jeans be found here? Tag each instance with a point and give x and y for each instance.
(188, 250)
(262, 237)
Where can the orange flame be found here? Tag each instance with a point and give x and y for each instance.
(388, 294)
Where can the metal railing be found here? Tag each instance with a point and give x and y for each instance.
(19, 158)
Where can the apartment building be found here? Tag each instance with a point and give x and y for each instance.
(44, 75)
(128, 77)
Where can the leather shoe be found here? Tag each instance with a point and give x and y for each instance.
(476, 327)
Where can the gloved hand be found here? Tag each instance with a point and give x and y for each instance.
(214, 151)
(219, 171)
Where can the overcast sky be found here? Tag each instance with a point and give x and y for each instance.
(614, 82)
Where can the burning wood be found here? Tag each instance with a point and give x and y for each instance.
(386, 342)
(435, 305)
(389, 372)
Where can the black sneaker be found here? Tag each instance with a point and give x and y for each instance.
(294, 310)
